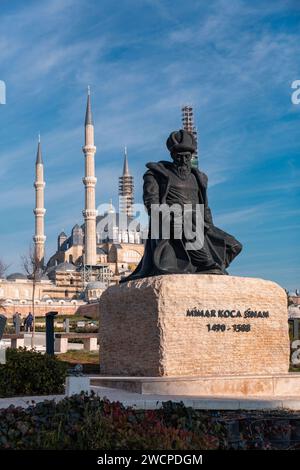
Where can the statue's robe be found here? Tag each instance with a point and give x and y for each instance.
(170, 256)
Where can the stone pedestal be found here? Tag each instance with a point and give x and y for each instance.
(233, 386)
(61, 345)
(194, 326)
(76, 385)
(17, 343)
(2, 352)
(90, 344)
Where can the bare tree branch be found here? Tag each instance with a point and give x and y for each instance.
(35, 271)
(2, 302)
(3, 268)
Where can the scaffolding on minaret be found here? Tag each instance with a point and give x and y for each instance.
(126, 189)
(91, 273)
(188, 125)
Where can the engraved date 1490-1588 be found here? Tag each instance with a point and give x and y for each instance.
(219, 327)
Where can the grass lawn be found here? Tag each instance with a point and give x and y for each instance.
(89, 360)
(62, 317)
(73, 319)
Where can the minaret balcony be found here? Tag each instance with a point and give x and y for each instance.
(39, 184)
(39, 211)
(89, 213)
(39, 238)
(89, 180)
(89, 149)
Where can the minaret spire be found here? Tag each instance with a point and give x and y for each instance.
(110, 208)
(126, 189)
(88, 114)
(39, 151)
(89, 182)
(39, 210)
(125, 165)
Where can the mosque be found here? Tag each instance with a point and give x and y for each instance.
(88, 259)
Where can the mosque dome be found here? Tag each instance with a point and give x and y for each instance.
(96, 285)
(14, 276)
(65, 266)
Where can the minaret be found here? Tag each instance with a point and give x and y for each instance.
(89, 182)
(39, 211)
(126, 189)
(188, 125)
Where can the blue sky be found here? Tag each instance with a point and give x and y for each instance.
(234, 61)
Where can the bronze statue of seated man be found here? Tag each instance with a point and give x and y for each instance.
(178, 183)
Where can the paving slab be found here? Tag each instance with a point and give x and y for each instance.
(148, 401)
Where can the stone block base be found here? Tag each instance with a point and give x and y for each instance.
(2, 352)
(17, 343)
(90, 344)
(61, 345)
(76, 385)
(194, 326)
(281, 386)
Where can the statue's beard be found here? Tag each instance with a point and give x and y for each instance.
(183, 169)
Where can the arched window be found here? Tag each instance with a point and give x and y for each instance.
(71, 259)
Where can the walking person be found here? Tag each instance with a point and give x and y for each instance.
(17, 322)
(28, 322)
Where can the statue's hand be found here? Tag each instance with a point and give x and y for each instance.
(207, 228)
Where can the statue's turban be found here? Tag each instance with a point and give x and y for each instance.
(181, 141)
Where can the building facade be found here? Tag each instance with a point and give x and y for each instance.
(88, 259)
(96, 253)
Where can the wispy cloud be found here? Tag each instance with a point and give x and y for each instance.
(234, 61)
(247, 214)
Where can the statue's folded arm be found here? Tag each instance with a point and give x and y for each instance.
(150, 190)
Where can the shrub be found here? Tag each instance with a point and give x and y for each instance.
(31, 373)
(178, 416)
(84, 422)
